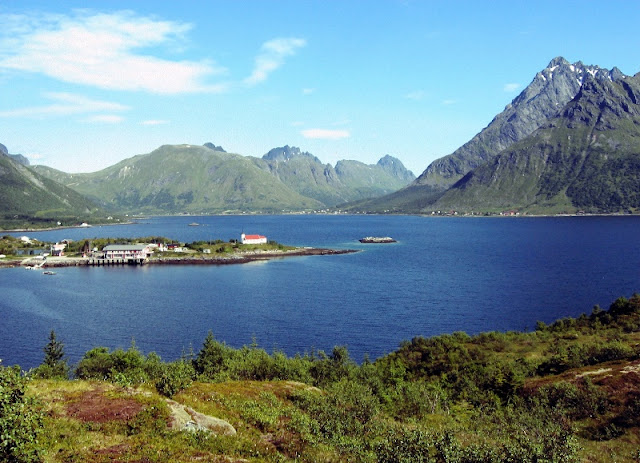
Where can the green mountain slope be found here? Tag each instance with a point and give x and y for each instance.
(206, 179)
(586, 159)
(186, 178)
(27, 198)
(348, 181)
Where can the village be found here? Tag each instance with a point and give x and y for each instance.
(32, 254)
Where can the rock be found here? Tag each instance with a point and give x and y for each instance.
(185, 418)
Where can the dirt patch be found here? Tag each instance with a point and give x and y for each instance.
(93, 406)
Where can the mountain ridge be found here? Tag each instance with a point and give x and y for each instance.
(585, 159)
(546, 96)
(207, 179)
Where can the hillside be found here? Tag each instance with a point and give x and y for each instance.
(348, 181)
(206, 179)
(567, 392)
(186, 178)
(29, 199)
(549, 92)
(585, 159)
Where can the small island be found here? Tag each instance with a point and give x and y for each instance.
(377, 239)
(34, 254)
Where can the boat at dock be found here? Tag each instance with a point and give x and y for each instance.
(377, 239)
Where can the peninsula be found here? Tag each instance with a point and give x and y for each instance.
(34, 254)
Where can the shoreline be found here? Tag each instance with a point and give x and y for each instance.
(240, 258)
(63, 227)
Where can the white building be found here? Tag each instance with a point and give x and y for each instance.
(253, 239)
(129, 252)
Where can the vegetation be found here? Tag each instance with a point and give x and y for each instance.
(16, 247)
(198, 179)
(568, 391)
(30, 200)
(20, 419)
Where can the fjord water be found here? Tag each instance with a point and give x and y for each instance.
(443, 275)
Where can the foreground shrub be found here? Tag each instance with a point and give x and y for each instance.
(177, 376)
(20, 419)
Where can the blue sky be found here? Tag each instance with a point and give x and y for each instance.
(83, 88)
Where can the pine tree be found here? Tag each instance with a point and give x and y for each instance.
(54, 364)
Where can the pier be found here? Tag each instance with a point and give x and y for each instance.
(115, 261)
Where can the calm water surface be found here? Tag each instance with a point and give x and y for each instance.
(443, 275)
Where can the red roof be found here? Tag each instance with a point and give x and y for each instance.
(253, 237)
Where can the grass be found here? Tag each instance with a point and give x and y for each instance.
(568, 392)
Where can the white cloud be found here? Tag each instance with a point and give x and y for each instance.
(326, 134)
(99, 50)
(272, 57)
(308, 91)
(106, 118)
(449, 102)
(154, 122)
(512, 87)
(65, 104)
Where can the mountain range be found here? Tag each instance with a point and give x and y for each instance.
(207, 179)
(569, 142)
(552, 90)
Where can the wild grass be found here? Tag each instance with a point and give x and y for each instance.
(569, 391)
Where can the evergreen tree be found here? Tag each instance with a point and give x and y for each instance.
(54, 365)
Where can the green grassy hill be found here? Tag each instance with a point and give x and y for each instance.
(186, 178)
(201, 179)
(566, 392)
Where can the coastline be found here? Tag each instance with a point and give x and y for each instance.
(239, 258)
(63, 227)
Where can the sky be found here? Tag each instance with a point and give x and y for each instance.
(82, 88)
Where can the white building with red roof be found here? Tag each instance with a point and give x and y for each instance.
(253, 239)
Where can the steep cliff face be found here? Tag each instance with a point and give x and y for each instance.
(587, 158)
(549, 92)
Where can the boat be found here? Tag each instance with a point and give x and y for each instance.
(377, 239)
(48, 272)
(194, 224)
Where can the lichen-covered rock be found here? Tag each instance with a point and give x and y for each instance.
(184, 418)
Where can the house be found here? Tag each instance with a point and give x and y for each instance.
(253, 239)
(58, 249)
(128, 252)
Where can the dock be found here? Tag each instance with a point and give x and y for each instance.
(114, 262)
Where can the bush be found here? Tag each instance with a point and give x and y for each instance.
(176, 377)
(20, 419)
(122, 367)
(54, 366)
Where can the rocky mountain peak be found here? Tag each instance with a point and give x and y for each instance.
(599, 103)
(544, 98)
(19, 158)
(285, 153)
(395, 167)
(558, 61)
(214, 147)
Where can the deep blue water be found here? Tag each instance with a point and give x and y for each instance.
(443, 275)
